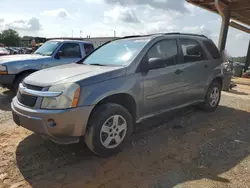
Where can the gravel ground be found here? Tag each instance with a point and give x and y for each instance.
(5, 110)
(188, 148)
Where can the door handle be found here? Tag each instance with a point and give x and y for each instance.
(178, 71)
(205, 66)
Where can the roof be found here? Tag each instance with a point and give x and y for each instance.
(240, 9)
(81, 38)
(71, 40)
(165, 34)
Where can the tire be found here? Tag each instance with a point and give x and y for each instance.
(19, 80)
(212, 98)
(97, 137)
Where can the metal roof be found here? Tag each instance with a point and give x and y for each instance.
(240, 9)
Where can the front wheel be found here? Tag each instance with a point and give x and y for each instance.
(212, 98)
(109, 129)
(19, 80)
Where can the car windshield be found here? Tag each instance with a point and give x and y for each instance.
(47, 48)
(117, 53)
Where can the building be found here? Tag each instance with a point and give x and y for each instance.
(26, 40)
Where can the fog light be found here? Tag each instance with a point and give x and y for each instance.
(51, 123)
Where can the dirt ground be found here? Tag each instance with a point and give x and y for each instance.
(188, 148)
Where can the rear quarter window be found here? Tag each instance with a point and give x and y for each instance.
(213, 50)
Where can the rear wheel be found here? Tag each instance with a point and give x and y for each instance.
(110, 128)
(212, 98)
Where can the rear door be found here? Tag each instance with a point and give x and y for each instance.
(194, 63)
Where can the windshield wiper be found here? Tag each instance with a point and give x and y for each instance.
(39, 53)
(98, 64)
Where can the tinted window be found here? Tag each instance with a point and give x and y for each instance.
(117, 53)
(88, 48)
(166, 50)
(213, 50)
(192, 51)
(70, 50)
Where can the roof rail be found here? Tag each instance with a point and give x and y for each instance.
(189, 34)
(173, 33)
(133, 36)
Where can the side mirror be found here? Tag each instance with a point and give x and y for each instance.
(59, 55)
(156, 63)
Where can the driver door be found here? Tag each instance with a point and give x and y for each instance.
(163, 86)
(69, 53)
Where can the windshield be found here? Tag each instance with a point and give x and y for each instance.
(47, 48)
(117, 53)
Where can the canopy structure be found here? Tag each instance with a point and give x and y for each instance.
(234, 13)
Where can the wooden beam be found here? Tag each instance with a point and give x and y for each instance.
(240, 27)
(198, 4)
(242, 5)
(243, 15)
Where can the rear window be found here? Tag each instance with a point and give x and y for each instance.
(213, 50)
(192, 51)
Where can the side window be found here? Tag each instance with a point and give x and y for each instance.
(192, 51)
(88, 48)
(166, 50)
(213, 50)
(70, 50)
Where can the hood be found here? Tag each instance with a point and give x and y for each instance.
(83, 74)
(25, 57)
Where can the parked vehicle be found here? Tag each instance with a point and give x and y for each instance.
(121, 83)
(13, 69)
(3, 51)
(12, 50)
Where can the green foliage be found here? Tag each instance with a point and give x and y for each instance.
(239, 59)
(10, 37)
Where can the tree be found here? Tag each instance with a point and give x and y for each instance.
(239, 59)
(10, 37)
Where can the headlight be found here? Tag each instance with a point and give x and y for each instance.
(3, 69)
(68, 99)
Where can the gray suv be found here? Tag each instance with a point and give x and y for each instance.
(123, 82)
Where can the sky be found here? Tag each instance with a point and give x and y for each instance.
(100, 18)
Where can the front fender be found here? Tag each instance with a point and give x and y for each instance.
(128, 84)
(20, 66)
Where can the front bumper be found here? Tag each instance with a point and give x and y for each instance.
(69, 125)
(7, 79)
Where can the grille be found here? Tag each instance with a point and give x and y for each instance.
(28, 100)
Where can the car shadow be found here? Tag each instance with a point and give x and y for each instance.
(238, 92)
(5, 100)
(168, 151)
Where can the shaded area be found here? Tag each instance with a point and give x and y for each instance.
(204, 145)
(238, 92)
(5, 107)
(6, 97)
